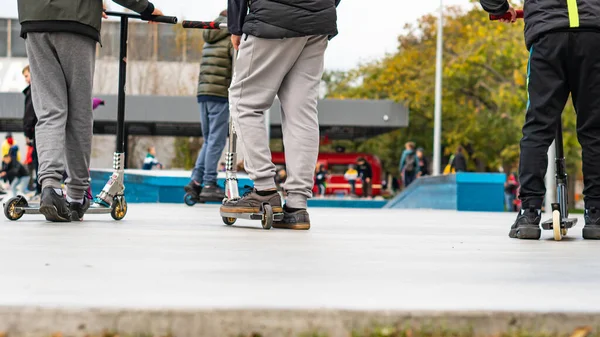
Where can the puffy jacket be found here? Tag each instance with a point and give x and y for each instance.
(543, 16)
(216, 65)
(29, 117)
(75, 16)
(14, 170)
(278, 19)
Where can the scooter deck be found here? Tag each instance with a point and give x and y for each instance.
(566, 223)
(251, 216)
(35, 209)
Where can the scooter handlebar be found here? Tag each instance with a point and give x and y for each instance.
(203, 25)
(162, 19)
(506, 16)
(155, 18)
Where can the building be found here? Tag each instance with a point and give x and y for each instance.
(162, 74)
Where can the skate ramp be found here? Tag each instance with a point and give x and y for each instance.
(463, 191)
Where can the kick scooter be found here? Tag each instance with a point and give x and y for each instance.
(266, 215)
(560, 222)
(111, 199)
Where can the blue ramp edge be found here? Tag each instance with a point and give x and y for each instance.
(167, 187)
(463, 191)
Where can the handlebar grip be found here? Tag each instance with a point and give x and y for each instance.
(161, 18)
(506, 16)
(203, 24)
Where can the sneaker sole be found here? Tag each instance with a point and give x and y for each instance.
(591, 233)
(298, 226)
(51, 214)
(526, 233)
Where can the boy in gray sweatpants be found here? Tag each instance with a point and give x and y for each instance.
(281, 53)
(60, 37)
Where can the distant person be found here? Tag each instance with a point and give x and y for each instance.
(510, 191)
(29, 122)
(61, 38)
(409, 164)
(321, 180)
(216, 70)
(150, 161)
(15, 174)
(351, 175)
(423, 163)
(11, 147)
(365, 174)
(459, 162)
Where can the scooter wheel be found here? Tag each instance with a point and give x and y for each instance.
(10, 208)
(118, 208)
(189, 199)
(556, 220)
(228, 221)
(267, 221)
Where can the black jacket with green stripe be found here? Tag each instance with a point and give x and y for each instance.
(543, 16)
(75, 16)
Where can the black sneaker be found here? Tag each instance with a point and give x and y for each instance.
(298, 220)
(78, 210)
(54, 206)
(212, 192)
(251, 202)
(527, 225)
(193, 189)
(591, 230)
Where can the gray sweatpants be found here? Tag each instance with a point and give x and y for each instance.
(62, 72)
(291, 69)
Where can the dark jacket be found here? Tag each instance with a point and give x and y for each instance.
(74, 16)
(459, 163)
(278, 19)
(543, 16)
(216, 66)
(29, 117)
(364, 170)
(14, 170)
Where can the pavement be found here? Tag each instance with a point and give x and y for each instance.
(354, 265)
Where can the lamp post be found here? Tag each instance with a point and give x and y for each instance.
(437, 120)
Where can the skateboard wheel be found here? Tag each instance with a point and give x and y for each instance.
(10, 206)
(228, 221)
(118, 208)
(267, 220)
(556, 220)
(188, 199)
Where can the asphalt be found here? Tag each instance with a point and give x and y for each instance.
(175, 258)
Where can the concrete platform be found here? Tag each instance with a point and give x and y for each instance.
(173, 263)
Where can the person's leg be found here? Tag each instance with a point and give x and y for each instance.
(195, 185)
(259, 70)
(218, 116)
(299, 95)
(584, 77)
(14, 184)
(548, 92)
(49, 92)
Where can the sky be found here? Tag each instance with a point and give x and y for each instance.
(367, 29)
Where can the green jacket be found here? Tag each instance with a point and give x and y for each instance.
(216, 65)
(75, 16)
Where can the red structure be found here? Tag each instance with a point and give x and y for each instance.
(337, 165)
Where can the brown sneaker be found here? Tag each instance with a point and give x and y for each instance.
(298, 220)
(252, 203)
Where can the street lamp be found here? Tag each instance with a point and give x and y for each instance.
(437, 120)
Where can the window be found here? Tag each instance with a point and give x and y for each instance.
(141, 42)
(17, 44)
(338, 169)
(168, 47)
(110, 40)
(3, 38)
(194, 44)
